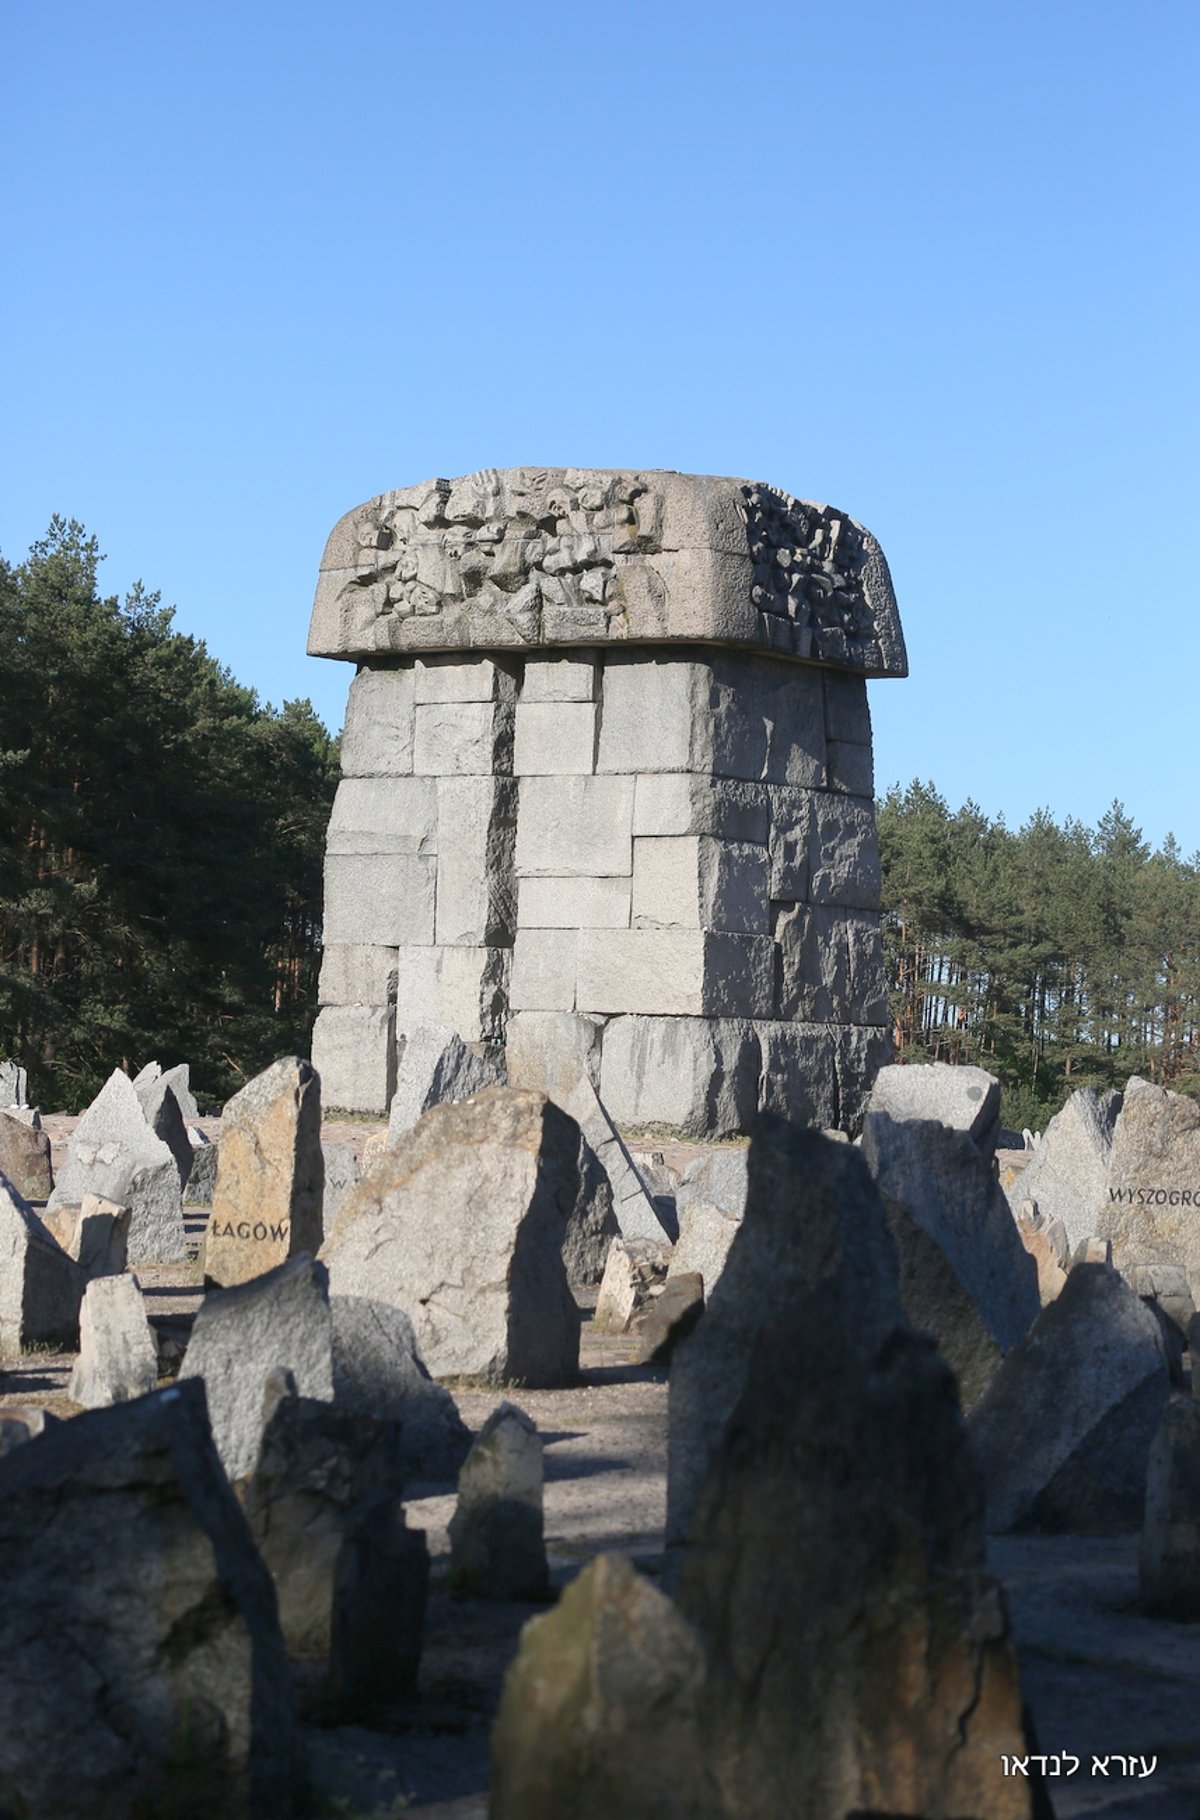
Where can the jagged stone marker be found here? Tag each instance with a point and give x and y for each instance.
(607, 762)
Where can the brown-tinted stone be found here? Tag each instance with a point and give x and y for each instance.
(270, 1175)
(25, 1158)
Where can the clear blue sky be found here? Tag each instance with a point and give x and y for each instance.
(933, 261)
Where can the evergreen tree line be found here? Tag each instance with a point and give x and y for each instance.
(1057, 956)
(161, 838)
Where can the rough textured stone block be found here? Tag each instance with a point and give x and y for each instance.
(574, 903)
(377, 1371)
(477, 817)
(799, 1073)
(460, 678)
(966, 1099)
(354, 1046)
(695, 1074)
(1169, 1558)
(497, 1548)
(464, 987)
(356, 973)
(790, 842)
(675, 972)
(544, 969)
(851, 768)
(654, 714)
(381, 900)
(1149, 1211)
(40, 1286)
(384, 815)
(683, 802)
(598, 1715)
(844, 853)
(270, 1174)
(115, 1154)
(278, 1322)
(575, 827)
(560, 679)
(847, 712)
(470, 738)
(766, 721)
(1063, 1431)
(435, 1065)
(1067, 1175)
(13, 1084)
(118, 1352)
(830, 965)
(692, 881)
(95, 1234)
(861, 1051)
(135, 1602)
(462, 1226)
(555, 739)
(377, 740)
(25, 1158)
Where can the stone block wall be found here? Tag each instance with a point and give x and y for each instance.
(673, 844)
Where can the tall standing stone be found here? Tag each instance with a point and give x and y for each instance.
(40, 1286)
(270, 1174)
(25, 1158)
(608, 753)
(1068, 1172)
(1151, 1207)
(497, 1546)
(114, 1153)
(13, 1085)
(118, 1352)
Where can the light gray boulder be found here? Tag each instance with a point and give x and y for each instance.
(1151, 1207)
(165, 1117)
(14, 1083)
(965, 1099)
(40, 1286)
(154, 1080)
(711, 1203)
(377, 1371)
(95, 1234)
(435, 1065)
(118, 1351)
(341, 1173)
(1169, 1558)
(497, 1545)
(462, 1226)
(1063, 1430)
(114, 1153)
(276, 1322)
(811, 1210)
(965, 1276)
(1069, 1168)
(144, 1668)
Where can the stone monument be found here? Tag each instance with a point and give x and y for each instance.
(607, 778)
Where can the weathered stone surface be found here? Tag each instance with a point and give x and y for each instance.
(136, 1604)
(202, 1177)
(270, 1174)
(663, 555)
(829, 965)
(25, 1159)
(1051, 1276)
(118, 1353)
(1063, 1430)
(316, 1469)
(277, 1322)
(497, 1548)
(1150, 1208)
(1168, 1286)
(592, 1224)
(555, 739)
(980, 1296)
(463, 739)
(436, 1066)
(381, 900)
(800, 1073)
(356, 973)
(837, 1558)
(575, 827)
(598, 1715)
(684, 802)
(843, 865)
(476, 887)
(467, 988)
(461, 676)
(965, 1099)
(355, 1046)
(176, 1079)
(1169, 1563)
(377, 740)
(114, 1153)
(693, 1074)
(13, 1084)
(341, 1172)
(694, 881)
(574, 903)
(163, 1115)
(811, 1211)
(384, 815)
(378, 1372)
(95, 1234)
(674, 972)
(556, 679)
(40, 1286)
(634, 1268)
(710, 1204)
(462, 1226)
(1067, 1173)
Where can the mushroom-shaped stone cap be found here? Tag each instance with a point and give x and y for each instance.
(537, 558)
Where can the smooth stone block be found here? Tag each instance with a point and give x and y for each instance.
(377, 740)
(463, 738)
(573, 903)
(575, 827)
(466, 988)
(695, 1074)
(477, 817)
(674, 972)
(695, 882)
(382, 900)
(354, 1052)
(457, 679)
(378, 815)
(559, 679)
(357, 973)
(554, 739)
(682, 802)
(654, 714)
(543, 971)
